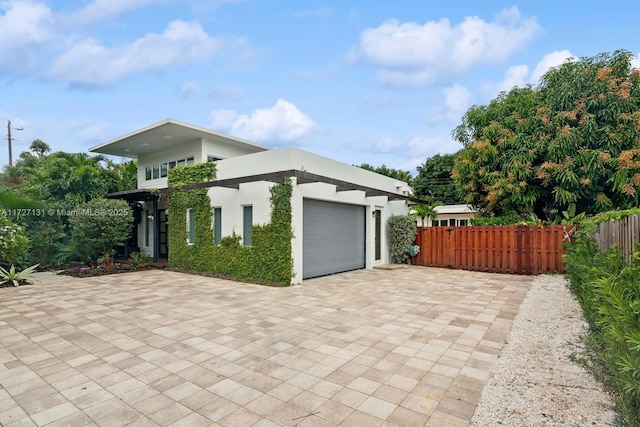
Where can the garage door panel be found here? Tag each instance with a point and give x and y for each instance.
(333, 237)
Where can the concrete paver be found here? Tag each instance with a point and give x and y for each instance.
(408, 346)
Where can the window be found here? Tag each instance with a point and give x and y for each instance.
(217, 225)
(213, 158)
(161, 170)
(247, 225)
(146, 228)
(463, 222)
(191, 227)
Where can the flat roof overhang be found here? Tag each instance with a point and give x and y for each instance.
(139, 195)
(165, 135)
(302, 177)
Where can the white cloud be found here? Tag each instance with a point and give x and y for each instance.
(103, 9)
(89, 63)
(283, 122)
(635, 61)
(228, 92)
(549, 61)
(87, 131)
(381, 101)
(457, 99)
(38, 42)
(26, 27)
(310, 13)
(187, 89)
(520, 75)
(427, 145)
(413, 54)
(380, 144)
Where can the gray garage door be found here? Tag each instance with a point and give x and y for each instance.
(333, 238)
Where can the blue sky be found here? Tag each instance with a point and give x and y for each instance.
(358, 81)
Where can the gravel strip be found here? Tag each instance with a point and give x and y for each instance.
(534, 383)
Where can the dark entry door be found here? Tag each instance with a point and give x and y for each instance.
(163, 234)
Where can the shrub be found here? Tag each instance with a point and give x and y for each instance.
(608, 289)
(401, 232)
(13, 243)
(16, 278)
(100, 225)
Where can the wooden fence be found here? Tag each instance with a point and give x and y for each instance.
(499, 249)
(623, 233)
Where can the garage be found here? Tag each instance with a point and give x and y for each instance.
(334, 238)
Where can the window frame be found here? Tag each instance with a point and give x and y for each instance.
(247, 225)
(191, 227)
(216, 226)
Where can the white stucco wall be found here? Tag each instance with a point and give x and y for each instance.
(232, 202)
(256, 194)
(193, 148)
(199, 149)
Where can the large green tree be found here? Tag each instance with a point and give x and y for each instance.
(434, 181)
(575, 138)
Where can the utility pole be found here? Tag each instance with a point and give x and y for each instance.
(9, 140)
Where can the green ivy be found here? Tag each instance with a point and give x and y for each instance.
(268, 261)
(401, 232)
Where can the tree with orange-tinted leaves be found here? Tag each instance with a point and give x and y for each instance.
(574, 138)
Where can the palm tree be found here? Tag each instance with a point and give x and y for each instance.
(427, 211)
(40, 147)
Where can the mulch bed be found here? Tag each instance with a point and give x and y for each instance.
(103, 270)
(10, 284)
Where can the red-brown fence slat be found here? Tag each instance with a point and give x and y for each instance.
(504, 249)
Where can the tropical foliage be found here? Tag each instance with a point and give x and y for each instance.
(398, 174)
(16, 278)
(608, 289)
(575, 138)
(13, 243)
(99, 226)
(52, 183)
(426, 212)
(434, 181)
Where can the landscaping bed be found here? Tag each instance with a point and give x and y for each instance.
(104, 269)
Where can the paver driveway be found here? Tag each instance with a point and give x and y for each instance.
(405, 347)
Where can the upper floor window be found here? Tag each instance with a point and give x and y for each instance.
(213, 158)
(161, 170)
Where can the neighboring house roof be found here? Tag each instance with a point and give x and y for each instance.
(165, 135)
(454, 209)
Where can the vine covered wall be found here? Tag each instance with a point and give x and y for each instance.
(267, 261)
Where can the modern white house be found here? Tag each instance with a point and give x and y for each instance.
(339, 211)
(449, 216)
